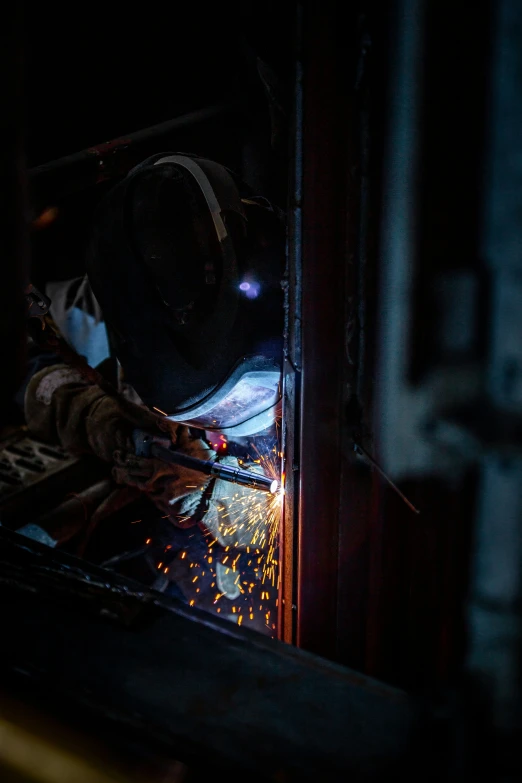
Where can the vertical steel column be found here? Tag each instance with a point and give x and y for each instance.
(292, 357)
(326, 501)
(495, 616)
(323, 206)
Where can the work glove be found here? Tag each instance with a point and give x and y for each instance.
(62, 407)
(177, 491)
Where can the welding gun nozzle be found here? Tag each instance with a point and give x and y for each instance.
(246, 478)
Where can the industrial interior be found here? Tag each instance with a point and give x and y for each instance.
(260, 431)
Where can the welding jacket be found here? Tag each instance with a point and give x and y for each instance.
(61, 406)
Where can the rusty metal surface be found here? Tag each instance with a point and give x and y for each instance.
(186, 682)
(328, 55)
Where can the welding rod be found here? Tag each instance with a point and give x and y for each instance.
(148, 445)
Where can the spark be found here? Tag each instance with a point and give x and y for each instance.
(160, 411)
(251, 523)
(258, 518)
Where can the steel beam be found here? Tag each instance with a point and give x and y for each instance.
(103, 162)
(187, 684)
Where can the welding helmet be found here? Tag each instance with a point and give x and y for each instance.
(186, 264)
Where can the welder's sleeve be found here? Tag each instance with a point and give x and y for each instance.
(61, 407)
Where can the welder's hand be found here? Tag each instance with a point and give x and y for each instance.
(175, 490)
(110, 423)
(60, 406)
(238, 516)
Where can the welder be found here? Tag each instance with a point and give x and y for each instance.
(183, 300)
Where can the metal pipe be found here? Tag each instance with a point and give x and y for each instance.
(103, 162)
(292, 357)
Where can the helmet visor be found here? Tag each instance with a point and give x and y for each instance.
(254, 393)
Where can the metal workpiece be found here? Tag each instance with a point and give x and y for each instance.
(181, 683)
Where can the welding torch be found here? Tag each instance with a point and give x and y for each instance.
(148, 445)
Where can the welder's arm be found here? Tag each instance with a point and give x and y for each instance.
(61, 407)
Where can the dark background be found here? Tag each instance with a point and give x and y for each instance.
(96, 76)
(103, 73)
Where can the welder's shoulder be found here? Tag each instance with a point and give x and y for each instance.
(49, 401)
(46, 382)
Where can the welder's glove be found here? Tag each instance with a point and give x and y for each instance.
(176, 490)
(238, 516)
(61, 407)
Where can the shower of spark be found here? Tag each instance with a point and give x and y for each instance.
(256, 517)
(249, 524)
